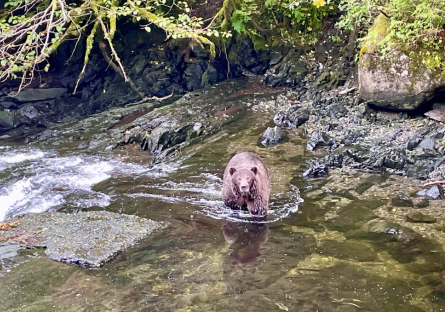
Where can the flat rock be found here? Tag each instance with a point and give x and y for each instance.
(30, 95)
(88, 239)
(436, 114)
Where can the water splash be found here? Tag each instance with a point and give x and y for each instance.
(51, 183)
(10, 157)
(280, 205)
(204, 193)
(37, 181)
(242, 216)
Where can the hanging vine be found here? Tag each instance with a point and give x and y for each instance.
(31, 30)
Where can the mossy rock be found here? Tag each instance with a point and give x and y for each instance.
(377, 33)
(418, 217)
(397, 79)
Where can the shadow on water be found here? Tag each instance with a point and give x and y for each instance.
(338, 250)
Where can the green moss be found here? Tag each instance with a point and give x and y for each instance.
(380, 41)
(433, 61)
(259, 43)
(376, 35)
(204, 79)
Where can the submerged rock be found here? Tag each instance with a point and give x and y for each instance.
(423, 203)
(401, 234)
(402, 200)
(88, 239)
(347, 250)
(418, 217)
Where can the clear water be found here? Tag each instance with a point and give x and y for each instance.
(312, 253)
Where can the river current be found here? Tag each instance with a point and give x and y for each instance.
(319, 249)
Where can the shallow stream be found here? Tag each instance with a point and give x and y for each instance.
(318, 250)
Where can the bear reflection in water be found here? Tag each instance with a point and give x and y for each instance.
(245, 240)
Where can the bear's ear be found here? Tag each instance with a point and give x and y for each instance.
(232, 170)
(254, 170)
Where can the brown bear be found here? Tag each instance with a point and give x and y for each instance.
(246, 184)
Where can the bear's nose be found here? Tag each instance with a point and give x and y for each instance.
(243, 187)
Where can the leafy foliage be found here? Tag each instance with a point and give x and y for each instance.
(30, 30)
(415, 25)
(291, 20)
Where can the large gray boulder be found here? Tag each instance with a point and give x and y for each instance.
(398, 81)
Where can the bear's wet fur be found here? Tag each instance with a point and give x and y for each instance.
(246, 184)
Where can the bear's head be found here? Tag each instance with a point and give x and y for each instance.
(243, 179)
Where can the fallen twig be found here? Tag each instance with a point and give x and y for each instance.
(150, 99)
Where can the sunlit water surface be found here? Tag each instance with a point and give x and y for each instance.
(309, 254)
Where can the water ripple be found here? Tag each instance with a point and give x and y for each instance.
(203, 193)
(35, 181)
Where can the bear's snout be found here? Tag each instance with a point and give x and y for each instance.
(244, 187)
